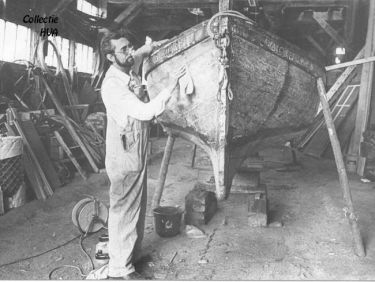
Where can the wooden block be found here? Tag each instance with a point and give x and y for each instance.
(200, 206)
(246, 182)
(255, 163)
(258, 209)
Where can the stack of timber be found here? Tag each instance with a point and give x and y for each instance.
(44, 111)
(39, 169)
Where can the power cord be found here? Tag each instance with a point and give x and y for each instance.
(82, 237)
(40, 254)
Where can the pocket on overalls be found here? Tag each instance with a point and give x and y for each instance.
(129, 140)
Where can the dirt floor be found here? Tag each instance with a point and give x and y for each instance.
(314, 242)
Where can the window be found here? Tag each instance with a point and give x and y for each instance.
(86, 7)
(14, 41)
(15, 44)
(84, 58)
(62, 46)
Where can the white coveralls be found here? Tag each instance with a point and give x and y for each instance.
(126, 165)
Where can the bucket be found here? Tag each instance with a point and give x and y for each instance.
(167, 221)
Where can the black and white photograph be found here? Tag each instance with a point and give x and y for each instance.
(187, 140)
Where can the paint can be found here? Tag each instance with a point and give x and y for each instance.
(167, 221)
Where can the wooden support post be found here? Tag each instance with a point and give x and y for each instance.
(364, 93)
(194, 154)
(72, 60)
(70, 154)
(163, 171)
(103, 8)
(225, 5)
(349, 210)
(69, 126)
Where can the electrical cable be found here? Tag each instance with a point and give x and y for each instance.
(82, 237)
(65, 265)
(40, 254)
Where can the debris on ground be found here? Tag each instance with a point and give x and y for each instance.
(194, 232)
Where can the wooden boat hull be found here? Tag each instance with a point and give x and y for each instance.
(272, 86)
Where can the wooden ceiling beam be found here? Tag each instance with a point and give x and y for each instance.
(60, 7)
(317, 46)
(172, 4)
(128, 15)
(306, 3)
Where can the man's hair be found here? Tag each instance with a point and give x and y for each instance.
(106, 45)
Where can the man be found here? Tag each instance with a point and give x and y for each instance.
(126, 149)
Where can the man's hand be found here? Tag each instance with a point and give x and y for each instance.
(157, 44)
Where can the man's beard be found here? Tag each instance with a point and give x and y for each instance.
(128, 62)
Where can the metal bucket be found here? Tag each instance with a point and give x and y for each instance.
(167, 221)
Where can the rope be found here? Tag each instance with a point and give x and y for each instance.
(229, 13)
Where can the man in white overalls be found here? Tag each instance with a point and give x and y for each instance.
(128, 117)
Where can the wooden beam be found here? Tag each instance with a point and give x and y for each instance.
(225, 5)
(350, 63)
(350, 21)
(103, 8)
(306, 2)
(70, 154)
(328, 28)
(69, 126)
(364, 93)
(163, 171)
(127, 15)
(173, 4)
(343, 177)
(316, 45)
(46, 184)
(71, 59)
(60, 7)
